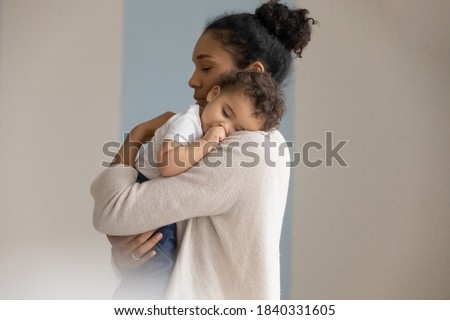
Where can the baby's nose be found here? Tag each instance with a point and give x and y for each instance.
(229, 129)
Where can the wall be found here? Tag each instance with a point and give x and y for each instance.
(376, 74)
(59, 102)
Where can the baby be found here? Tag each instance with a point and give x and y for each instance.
(242, 100)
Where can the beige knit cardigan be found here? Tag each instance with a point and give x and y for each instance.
(228, 209)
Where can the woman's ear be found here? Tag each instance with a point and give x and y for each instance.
(256, 66)
(214, 92)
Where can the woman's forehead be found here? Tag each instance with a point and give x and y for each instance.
(208, 47)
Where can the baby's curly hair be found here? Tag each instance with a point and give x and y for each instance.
(263, 91)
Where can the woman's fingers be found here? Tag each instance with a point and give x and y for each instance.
(142, 245)
(134, 243)
(139, 249)
(137, 263)
(131, 252)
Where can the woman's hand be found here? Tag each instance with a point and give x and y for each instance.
(146, 130)
(131, 252)
(140, 134)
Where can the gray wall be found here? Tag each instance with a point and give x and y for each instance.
(377, 73)
(59, 102)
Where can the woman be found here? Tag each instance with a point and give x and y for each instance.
(228, 218)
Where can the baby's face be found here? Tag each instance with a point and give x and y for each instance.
(232, 110)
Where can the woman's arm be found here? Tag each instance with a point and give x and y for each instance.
(137, 137)
(123, 207)
(141, 244)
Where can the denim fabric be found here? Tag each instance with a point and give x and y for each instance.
(151, 279)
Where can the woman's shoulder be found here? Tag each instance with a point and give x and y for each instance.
(273, 136)
(257, 148)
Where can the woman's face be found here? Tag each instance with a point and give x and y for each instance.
(211, 61)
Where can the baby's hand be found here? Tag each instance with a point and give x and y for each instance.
(215, 134)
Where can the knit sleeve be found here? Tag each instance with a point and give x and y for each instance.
(123, 207)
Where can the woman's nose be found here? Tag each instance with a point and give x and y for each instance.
(194, 81)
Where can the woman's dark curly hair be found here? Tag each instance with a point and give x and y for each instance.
(270, 36)
(263, 91)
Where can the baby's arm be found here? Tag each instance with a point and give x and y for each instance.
(173, 158)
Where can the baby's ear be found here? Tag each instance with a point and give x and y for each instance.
(213, 93)
(256, 66)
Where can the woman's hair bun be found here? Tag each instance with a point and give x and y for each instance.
(291, 26)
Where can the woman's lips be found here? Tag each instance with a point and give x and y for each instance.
(200, 102)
